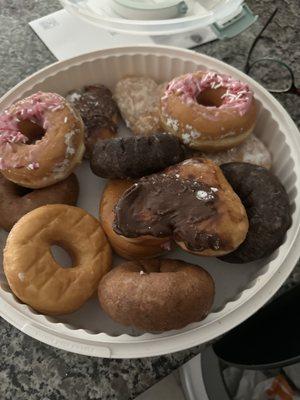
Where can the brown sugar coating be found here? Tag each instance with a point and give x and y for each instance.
(16, 201)
(192, 202)
(136, 156)
(157, 295)
(268, 208)
(98, 110)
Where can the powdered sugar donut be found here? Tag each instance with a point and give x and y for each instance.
(251, 151)
(41, 140)
(208, 111)
(138, 99)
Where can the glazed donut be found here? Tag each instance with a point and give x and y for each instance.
(252, 151)
(129, 248)
(33, 274)
(98, 111)
(191, 202)
(157, 295)
(138, 99)
(268, 208)
(16, 201)
(35, 159)
(134, 157)
(208, 111)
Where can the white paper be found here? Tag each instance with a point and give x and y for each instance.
(68, 36)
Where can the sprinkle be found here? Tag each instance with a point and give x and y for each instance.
(73, 97)
(142, 273)
(177, 175)
(214, 189)
(21, 276)
(65, 120)
(173, 124)
(202, 195)
(32, 166)
(195, 134)
(186, 138)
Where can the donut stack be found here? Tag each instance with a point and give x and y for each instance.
(189, 174)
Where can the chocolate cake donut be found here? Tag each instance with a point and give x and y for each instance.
(267, 206)
(16, 201)
(98, 111)
(136, 156)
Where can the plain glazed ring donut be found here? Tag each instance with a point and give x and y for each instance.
(268, 208)
(134, 157)
(33, 274)
(129, 248)
(208, 111)
(157, 295)
(191, 202)
(16, 201)
(41, 140)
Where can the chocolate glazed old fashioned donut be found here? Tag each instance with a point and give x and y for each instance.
(268, 208)
(191, 202)
(98, 111)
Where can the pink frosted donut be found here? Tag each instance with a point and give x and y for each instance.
(208, 111)
(41, 140)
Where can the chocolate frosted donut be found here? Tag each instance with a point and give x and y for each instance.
(190, 202)
(267, 206)
(98, 110)
(16, 201)
(136, 156)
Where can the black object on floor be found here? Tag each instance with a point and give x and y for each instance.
(269, 339)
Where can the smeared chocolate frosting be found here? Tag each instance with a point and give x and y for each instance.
(163, 205)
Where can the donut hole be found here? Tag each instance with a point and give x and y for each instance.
(62, 255)
(31, 130)
(23, 191)
(211, 97)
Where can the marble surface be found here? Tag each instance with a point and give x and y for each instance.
(31, 370)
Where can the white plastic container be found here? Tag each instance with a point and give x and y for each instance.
(113, 15)
(240, 289)
(149, 9)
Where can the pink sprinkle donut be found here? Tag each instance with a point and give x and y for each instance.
(41, 140)
(208, 111)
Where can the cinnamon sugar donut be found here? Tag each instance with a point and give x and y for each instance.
(191, 202)
(33, 274)
(16, 201)
(252, 151)
(138, 99)
(41, 140)
(129, 248)
(157, 295)
(98, 111)
(208, 111)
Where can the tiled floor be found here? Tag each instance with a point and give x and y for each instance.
(167, 389)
